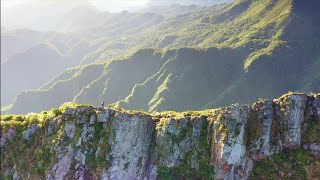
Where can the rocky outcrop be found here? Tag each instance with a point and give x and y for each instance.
(226, 143)
(7, 136)
(244, 134)
(130, 141)
(30, 131)
(61, 169)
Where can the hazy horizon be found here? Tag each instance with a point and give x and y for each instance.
(35, 14)
(108, 5)
(160, 89)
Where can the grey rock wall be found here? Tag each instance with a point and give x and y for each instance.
(119, 144)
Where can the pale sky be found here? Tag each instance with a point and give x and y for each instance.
(40, 14)
(110, 5)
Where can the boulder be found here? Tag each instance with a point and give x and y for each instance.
(30, 131)
(69, 129)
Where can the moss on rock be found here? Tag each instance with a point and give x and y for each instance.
(286, 165)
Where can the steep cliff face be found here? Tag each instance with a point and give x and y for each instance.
(83, 142)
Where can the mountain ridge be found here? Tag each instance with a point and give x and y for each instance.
(238, 141)
(263, 51)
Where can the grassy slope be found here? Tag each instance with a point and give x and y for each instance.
(61, 91)
(263, 50)
(188, 80)
(18, 73)
(32, 58)
(256, 26)
(280, 67)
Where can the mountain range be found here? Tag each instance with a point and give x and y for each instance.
(202, 58)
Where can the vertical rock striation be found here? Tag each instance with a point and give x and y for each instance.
(130, 141)
(226, 143)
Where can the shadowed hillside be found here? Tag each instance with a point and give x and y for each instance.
(238, 52)
(18, 41)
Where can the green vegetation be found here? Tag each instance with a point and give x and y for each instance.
(210, 57)
(60, 95)
(231, 53)
(100, 139)
(182, 135)
(291, 164)
(184, 170)
(254, 125)
(33, 158)
(312, 125)
(313, 130)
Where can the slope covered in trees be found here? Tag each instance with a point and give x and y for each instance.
(236, 53)
(32, 58)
